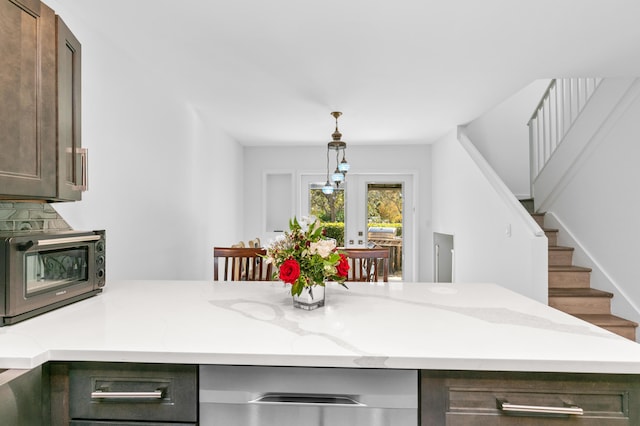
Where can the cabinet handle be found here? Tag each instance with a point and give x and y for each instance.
(84, 183)
(157, 394)
(538, 409)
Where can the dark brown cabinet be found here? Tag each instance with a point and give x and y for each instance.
(21, 397)
(508, 398)
(27, 100)
(41, 154)
(72, 158)
(92, 393)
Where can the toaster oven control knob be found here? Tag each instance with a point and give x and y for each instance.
(100, 260)
(100, 276)
(100, 246)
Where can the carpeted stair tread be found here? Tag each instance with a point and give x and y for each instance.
(578, 292)
(604, 320)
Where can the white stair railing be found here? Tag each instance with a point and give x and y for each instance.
(558, 109)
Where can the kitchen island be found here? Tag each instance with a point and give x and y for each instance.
(467, 347)
(395, 325)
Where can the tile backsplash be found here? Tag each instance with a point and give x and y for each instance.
(30, 216)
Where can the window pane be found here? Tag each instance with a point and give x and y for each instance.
(384, 217)
(330, 210)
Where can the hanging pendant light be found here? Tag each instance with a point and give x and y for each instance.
(327, 189)
(342, 167)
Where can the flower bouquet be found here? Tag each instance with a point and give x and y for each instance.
(304, 258)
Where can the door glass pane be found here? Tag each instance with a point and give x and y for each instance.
(329, 209)
(55, 268)
(384, 222)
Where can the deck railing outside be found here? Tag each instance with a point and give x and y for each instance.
(558, 109)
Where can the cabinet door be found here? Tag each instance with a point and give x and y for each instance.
(503, 399)
(72, 159)
(27, 100)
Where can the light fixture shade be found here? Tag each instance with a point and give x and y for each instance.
(327, 188)
(344, 166)
(337, 176)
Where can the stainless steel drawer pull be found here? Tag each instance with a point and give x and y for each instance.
(99, 394)
(308, 399)
(518, 408)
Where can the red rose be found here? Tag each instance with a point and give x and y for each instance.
(289, 271)
(343, 266)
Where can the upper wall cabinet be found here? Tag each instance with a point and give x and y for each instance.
(40, 149)
(72, 158)
(28, 100)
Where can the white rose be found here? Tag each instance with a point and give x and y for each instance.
(306, 221)
(323, 248)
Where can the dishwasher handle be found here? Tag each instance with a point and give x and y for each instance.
(307, 399)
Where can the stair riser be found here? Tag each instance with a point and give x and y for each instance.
(552, 236)
(581, 305)
(569, 279)
(539, 220)
(560, 258)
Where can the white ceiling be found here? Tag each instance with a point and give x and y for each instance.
(401, 71)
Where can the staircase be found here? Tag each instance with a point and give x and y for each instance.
(570, 289)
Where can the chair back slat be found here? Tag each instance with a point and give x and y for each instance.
(368, 265)
(240, 264)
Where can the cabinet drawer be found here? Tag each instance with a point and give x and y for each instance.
(110, 423)
(458, 399)
(512, 406)
(133, 392)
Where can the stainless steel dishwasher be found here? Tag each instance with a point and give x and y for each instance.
(305, 396)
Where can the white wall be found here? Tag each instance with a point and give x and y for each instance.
(502, 136)
(216, 200)
(165, 182)
(596, 205)
(363, 159)
(492, 242)
(162, 179)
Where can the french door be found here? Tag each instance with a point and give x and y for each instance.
(377, 211)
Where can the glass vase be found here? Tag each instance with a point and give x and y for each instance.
(310, 298)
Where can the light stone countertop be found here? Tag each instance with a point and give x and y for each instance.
(395, 325)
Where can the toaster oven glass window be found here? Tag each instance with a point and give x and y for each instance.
(55, 268)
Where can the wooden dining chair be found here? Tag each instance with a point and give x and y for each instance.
(254, 243)
(368, 264)
(240, 264)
